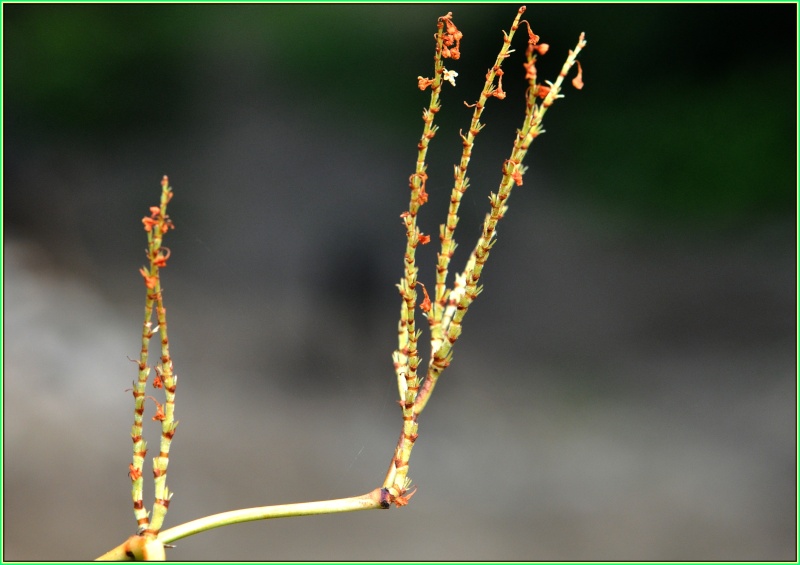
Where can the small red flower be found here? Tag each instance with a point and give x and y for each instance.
(160, 416)
(161, 260)
(133, 472)
(530, 71)
(499, 92)
(423, 82)
(148, 223)
(577, 82)
(149, 281)
(423, 196)
(451, 27)
(426, 305)
(542, 91)
(450, 53)
(403, 499)
(533, 39)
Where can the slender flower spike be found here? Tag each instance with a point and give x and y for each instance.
(157, 223)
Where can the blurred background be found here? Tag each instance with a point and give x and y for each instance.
(624, 389)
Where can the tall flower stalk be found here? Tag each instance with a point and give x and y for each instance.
(156, 224)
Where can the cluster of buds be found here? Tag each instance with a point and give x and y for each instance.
(448, 46)
(451, 39)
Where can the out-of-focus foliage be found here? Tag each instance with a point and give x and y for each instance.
(688, 116)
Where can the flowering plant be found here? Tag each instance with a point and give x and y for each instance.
(444, 309)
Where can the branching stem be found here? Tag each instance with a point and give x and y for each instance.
(444, 314)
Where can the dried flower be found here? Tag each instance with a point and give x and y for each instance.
(149, 223)
(542, 91)
(160, 416)
(403, 499)
(161, 260)
(453, 36)
(425, 306)
(499, 92)
(577, 82)
(530, 70)
(133, 472)
(533, 39)
(149, 281)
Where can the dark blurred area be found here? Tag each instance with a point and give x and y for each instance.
(624, 389)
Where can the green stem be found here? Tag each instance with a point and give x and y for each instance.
(369, 501)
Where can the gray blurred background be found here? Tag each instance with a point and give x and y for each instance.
(625, 388)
